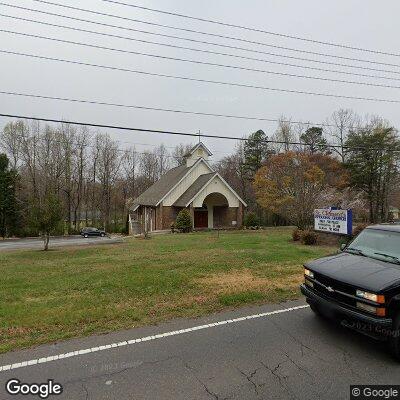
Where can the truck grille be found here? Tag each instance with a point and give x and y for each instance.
(340, 292)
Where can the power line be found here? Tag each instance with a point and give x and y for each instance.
(202, 50)
(118, 141)
(199, 80)
(254, 29)
(186, 112)
(122, 128)
(236, 67)
(196, 135)
(207, 33)
(202, 42)
(102, 103)
(133, 149)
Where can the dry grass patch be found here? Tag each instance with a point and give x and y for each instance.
(231, 281)
(246, 280)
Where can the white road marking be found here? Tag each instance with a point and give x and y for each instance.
(143, 339)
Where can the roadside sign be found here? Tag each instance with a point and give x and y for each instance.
(331, 220)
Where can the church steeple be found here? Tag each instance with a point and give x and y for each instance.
(198, 151)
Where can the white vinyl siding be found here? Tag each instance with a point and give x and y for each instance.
(216, 186)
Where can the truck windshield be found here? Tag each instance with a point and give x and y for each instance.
(376, 243)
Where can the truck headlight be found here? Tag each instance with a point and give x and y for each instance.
(377, 298)
(308, 273)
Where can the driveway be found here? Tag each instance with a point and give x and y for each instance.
(59, 241)
(268, 352)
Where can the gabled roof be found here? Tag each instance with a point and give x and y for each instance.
(199, 185)
(196, 186)
(159, 189)
(202, 145)
(200, 160)
(156, 193)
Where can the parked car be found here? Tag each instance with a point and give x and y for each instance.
(86, 232)
(361, 285)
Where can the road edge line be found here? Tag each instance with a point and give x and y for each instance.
(43, 360)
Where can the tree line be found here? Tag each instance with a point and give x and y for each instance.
(67, 176)
(57, 178)
(348, 162)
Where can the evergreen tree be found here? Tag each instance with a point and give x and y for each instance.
(314, 140)
(373, 164)
(256, 151)
(184, 220)
(8, 202)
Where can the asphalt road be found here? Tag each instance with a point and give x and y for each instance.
(288, 355)
(37, 243)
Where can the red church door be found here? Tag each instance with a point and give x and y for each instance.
(200, 218)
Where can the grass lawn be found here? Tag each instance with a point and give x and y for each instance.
(71, 292)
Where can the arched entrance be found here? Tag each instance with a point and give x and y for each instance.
(213, 213)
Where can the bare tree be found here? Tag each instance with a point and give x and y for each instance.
(66, 134)
(130, 165)
(163, 160)
(51, 160)
(298, 131)
(108, 168)
(80, 165)
(338, 127)
(179, 153)
(11, 140)
(148, 167)
(30, 136)
(232, 168)
(284, 135)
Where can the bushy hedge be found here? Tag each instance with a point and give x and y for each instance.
(251, 219)
(296, 235)
(309, 238)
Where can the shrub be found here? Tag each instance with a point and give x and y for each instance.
(358, 229)
(184, 221)
(296, 234)
(309, 238)
(251, 220)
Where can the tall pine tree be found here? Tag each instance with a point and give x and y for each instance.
(256, 151)
(313, 139)
(373, 164)
(8, 201)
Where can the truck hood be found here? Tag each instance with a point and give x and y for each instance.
(362, 272)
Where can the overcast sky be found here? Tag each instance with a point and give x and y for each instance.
(361, 23)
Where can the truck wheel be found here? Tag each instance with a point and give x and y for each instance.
(86, 235)
(394, 340)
